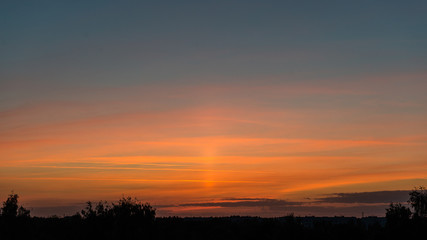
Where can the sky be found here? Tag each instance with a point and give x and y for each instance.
(214, 108)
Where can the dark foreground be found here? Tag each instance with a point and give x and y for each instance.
(76, 227)
(131, 219)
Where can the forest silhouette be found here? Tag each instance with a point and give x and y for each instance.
(129, 218)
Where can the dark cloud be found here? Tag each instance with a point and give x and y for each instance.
(366, 197)
(245, 202)
(245, 199)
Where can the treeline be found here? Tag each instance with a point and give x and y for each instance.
(126, 219)
(131, 219)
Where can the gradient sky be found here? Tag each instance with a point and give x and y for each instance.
(214, 107)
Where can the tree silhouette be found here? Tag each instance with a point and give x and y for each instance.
(102, 209)
(418, 201)
(397, 214)
(10, 208)
(125, 219)
(128, 207)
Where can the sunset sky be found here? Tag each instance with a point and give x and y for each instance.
(214, 108)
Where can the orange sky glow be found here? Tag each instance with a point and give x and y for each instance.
(211, 144)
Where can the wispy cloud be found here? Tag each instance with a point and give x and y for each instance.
(366, 197)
